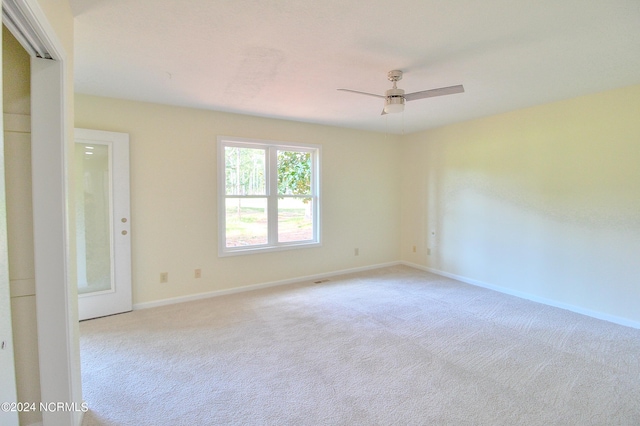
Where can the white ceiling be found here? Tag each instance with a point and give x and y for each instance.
(286, 58)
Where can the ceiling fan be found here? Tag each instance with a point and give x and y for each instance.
(395, 98)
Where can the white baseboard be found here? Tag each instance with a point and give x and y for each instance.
(588, 312)
(215, 293)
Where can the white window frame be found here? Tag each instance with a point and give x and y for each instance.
(271, 148)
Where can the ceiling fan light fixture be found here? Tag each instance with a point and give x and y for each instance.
(394, 99)
(394, 104)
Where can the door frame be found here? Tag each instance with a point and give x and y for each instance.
(51, 133)
(51, 251)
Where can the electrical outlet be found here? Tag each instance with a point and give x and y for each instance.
(356, 252)
(428, 252)
(198, 273)
(164, 277)
(414, 249)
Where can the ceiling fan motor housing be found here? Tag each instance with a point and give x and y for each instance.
(394, 75)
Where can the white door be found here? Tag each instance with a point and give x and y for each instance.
(103, 226)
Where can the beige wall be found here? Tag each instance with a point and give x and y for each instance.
(543, 201)
(173, 197)
(540, 202)
(15, 78)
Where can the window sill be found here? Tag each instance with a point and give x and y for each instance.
(239, 251)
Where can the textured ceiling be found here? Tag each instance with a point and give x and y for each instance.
(286, 58)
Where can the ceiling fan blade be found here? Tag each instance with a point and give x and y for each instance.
(362, 93)
(434, 92)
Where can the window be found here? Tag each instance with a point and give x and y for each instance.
(268, 195)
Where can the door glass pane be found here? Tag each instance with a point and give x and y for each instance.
(244, 171)
(246, 221)
(93, 193)
(295, 219)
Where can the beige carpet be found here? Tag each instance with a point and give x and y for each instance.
(394, 346)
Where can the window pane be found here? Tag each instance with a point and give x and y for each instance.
(246, 221)
(244, 171)
(295, 219)
(294, 173)
(270, 194)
